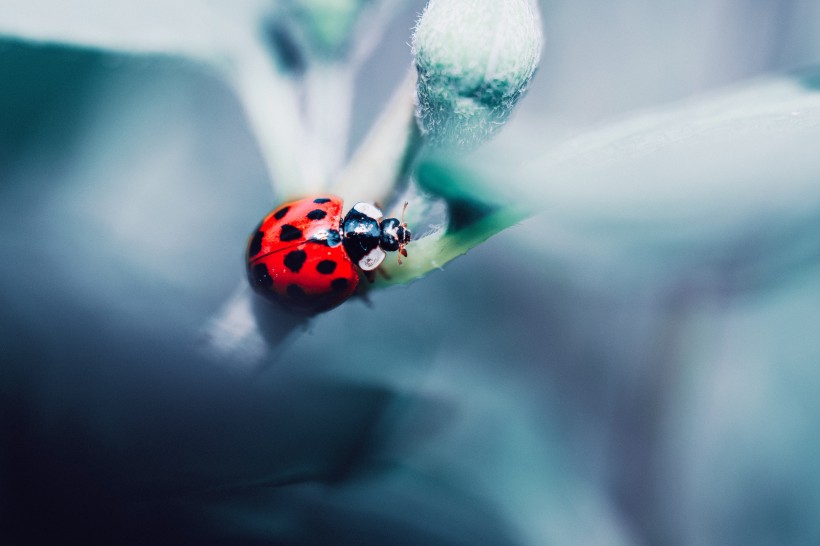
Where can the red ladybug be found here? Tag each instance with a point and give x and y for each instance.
(307, 257)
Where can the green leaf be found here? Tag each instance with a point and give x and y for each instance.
(687, 181)
(671, 187)
(475, 213)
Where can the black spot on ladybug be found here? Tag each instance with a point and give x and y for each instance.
(290, 233)
(321, 200)
(339, 284)
(279, 214)
(262, 276)
(295, 291)
(326, 267)
(316, 214)
(295, 259)
(256, 244)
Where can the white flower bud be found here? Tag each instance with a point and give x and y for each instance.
(474, 59)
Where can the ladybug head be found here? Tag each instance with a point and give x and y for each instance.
(394, 235)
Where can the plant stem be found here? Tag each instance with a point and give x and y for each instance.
(328, 101)
(386, 156)
(271, 105)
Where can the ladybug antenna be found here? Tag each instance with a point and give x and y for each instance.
(405, 236)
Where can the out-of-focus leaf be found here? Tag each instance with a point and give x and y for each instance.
(199, 28)
(731, 171)
(740, 437)
(227, 36)
(737, 170)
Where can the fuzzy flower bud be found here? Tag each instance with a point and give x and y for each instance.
(474, 59)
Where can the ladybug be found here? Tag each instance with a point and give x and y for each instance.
(307, 257)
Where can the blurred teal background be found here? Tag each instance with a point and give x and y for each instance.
(636, 365)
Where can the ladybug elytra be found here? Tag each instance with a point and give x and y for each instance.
(307, 257)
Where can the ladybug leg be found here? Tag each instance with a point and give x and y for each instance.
(370, 276)
(402, 251)
(365, 298)
(383, 272)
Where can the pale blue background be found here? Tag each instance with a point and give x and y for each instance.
(537, 390)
